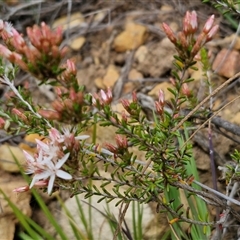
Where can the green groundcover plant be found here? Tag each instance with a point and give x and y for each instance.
(67, 160)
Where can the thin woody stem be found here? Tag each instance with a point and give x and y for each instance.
(6, 80)
(205, 101)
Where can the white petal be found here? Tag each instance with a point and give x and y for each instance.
(50, 184)
(33, 182)
(64, 175)
(28, 156)
(42, 145)
(50, 165)
(46, 160)
(82, 137)
(55, 135)
(42, 175)
(40, 156)
(39, 176)
(62, 161)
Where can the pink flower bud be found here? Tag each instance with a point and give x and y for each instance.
(50, 114)
(124, 116)
(134, 97)
(111, 148)
(19, 114)
(17, 40)
(190, 23)
(71, 68)
(161, 97)
(172, 81)
(212, 32)
(58, 32)
(183, 40)
(17, 59)
(46, 32)
(35, 36)
(21, 189)
(64, 51)
(106, 97)
(169, 33)
(2, 123)
(159, 108)
(58, 91)
(185, 90)
(121, 141)
(72, 94)
(126, 104)
(113, 120)
(94, 99)
(79, 98)
(68, 104)
(42, 183)
(5, 52)
(55, 51)
(198, 44)
(57, 105)
(193, 22)
(186, 21)
(1, 25)
(208, 25)
(45, 46)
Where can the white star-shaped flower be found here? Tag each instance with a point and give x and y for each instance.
(52, 171)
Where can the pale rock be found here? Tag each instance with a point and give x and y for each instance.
(96, 61)
(226, 63)
(141, 53)
(131, 85)
(159, 59)
(85, 74)
(8, 218)
(111, 76)
(12, 3)
(99, 83)
(118, 109)
(174, 26)
(202, 162)
(7, 228)
(30, 144)
(236, 118)
(163, 86)
(131, 38)
(166, 8)
(100, 16)
(22, 201)
(135, 75)
(77, 43)
(232, 40)
(8, 154)
(235, 39)
(76, 20)
(157, 227)
(99, 222)
(128, 87)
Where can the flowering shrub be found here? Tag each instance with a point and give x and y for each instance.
(66, 161)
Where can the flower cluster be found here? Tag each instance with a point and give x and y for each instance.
(41, 57)
(103, 98)
(159, 105)
(51, 156)
(185, 42)
(68, 102)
